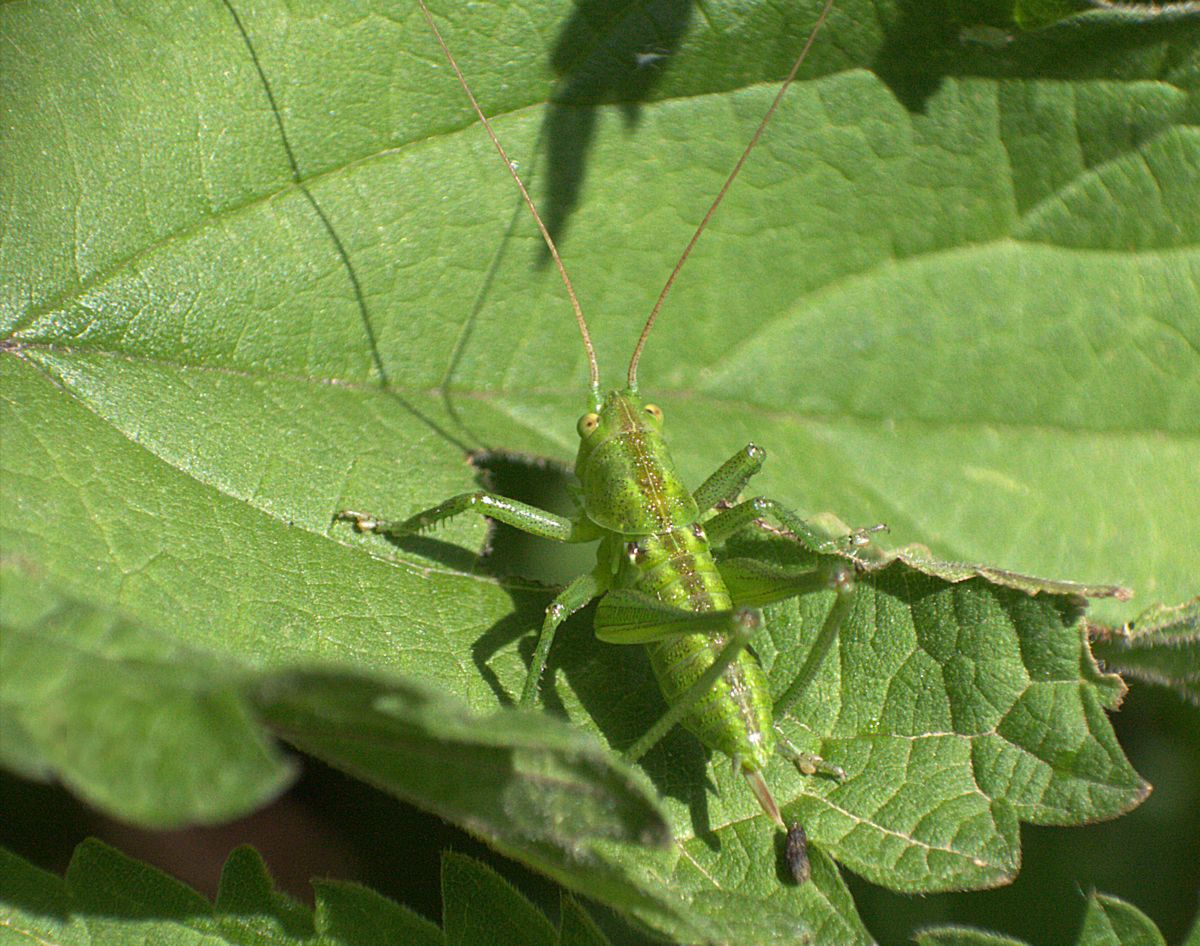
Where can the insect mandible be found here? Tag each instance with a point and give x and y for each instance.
(655, 574)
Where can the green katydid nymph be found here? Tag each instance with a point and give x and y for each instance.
(656, 578)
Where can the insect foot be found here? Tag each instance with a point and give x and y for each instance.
(810, 764)
(362, 521)
(747, 621)
(807, 763)
(860, 537)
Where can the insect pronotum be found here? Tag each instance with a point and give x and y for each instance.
(655, 575)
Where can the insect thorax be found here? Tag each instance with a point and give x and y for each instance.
(629, 482)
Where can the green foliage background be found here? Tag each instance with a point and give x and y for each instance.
(257, 266)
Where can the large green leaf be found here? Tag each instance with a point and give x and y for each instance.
(257, 266)
(957, 293)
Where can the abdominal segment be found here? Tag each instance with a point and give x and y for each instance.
(735, 715)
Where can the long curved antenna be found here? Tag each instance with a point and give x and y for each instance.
(637, 351)
(593, 369)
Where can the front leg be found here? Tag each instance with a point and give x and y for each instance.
(518, 515)
(727, 483)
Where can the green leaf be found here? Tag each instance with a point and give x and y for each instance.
(112, 898)
(1113, 922)
(1033, 14)
(577, 928)
(962, 936)
(1107, 922)
(521, 779)
(266, 270)
(36, 904)
(1162, 646)
(140, 725)
(355, 914)
(247, 893)
(483, 909)
(116, 898)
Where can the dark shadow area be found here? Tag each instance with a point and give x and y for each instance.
(606, 54)
(542, 482)
(783, 872)
(446, 553)
(923, 45)
(931, 40)
(529, 609)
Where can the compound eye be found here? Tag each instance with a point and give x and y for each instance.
(654, 411)
(588, 424)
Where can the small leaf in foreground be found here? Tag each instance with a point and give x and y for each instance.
(481, 908)
(140, 726)
(963, 936)
(515, 778)
(355, 914)
(248, 893)
(576, 927)
(1112, 922)
(107, 896)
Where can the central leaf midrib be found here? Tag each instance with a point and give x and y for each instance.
(509, 403)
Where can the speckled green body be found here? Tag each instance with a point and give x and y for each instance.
(656, 545)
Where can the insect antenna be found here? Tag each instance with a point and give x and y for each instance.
(687, 251)
(593, 369)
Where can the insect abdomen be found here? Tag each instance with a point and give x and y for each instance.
(734, 717)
